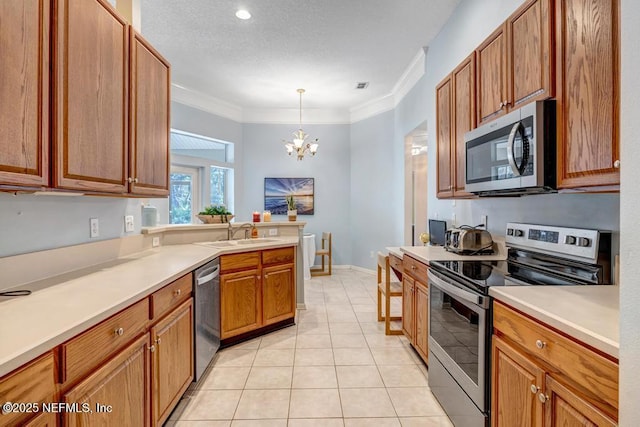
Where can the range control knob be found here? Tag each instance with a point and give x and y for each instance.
(509, 231)
(570, 240)
(518, 233)
(584, 242)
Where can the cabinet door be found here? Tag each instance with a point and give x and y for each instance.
(588, 76)
(445, 135)
(492, 79)
(278, 293)
(464, 119)
(172, 360)
(122, 383)
(407, 307)
(45, 419)
(240, 303)
(530, 53)
(149, 119)
(90, 104)
(515, 384)
(422, 319)
(567, 408)
(24, 92)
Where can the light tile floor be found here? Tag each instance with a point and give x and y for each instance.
(335, 367)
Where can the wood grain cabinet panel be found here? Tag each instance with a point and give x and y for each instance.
(240, 302)
(588, 78)
(172, 360)
(149, 119)
(445, 136)
(492, 78)
(123, 383)
(24, 93)
(170, 296)
(464, 120)
(278, 293)
(91, 68)
(408, 320)
(421, 295)
(45, 419)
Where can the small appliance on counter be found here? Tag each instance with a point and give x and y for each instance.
(468, 240)
(437, 232)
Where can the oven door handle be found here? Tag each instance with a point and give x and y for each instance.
(471, 297)
(517, 170)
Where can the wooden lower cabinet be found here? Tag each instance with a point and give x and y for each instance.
(240, 302)
(45, 419)
(421, 339)
(408, 286)
(122, 383)
(536, 385)
(278, 293)
(172, 361)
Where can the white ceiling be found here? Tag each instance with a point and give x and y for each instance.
(324, 46)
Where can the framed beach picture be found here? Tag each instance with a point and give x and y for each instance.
(277, 189)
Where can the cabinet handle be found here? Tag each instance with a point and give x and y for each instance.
(540, 344)
(501, 105)
(543, 398)
(257, 277)
(177, 292)
(135, 180)
(413, 267)
(158, 340)
(534, 389)
(505, 103)
(153, 348)
(130, 180)
(616, 164)
(119, 331)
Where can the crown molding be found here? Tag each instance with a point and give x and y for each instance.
(208, 103)
(201, 101)
(287, 116)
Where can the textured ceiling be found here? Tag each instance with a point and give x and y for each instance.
(324, 46)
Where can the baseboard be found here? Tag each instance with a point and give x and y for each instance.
(301, 306)
(363, 270)
(349, 267)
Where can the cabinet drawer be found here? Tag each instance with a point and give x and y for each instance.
(171, 296)
(596, 374)
(33, 383)
(395, 262)
(84, 352)
(277, 256)
(415, 268)
(239, 261)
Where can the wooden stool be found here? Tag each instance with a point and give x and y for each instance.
(324, 251)
(389, 289)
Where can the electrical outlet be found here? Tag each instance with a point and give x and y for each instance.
(371, 254)
(483, 220)
(128, 223)
(436, 216)
(273, 232)
(453, 219)
(155, 242)
(94, 230)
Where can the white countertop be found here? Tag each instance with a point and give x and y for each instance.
(438, 253)
(66, 305)
(587, 313)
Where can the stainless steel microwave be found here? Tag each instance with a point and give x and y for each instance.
(515, 154)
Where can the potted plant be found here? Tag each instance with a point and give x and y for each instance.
(215, 214)
(292, 212)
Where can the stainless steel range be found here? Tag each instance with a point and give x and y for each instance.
(460, 308)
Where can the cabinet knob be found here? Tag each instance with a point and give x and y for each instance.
(616, 164)
(119, 331)
(158, 340)
(540, 344)
(153, 348)
(177, 292)
(413, 267)
(135, 180)
(505, 103)
(130, 180)
(534, 388)
(501, 106)
(542, 397)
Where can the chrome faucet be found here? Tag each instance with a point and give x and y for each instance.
(231, 232)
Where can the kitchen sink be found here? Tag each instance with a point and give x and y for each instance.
(232, 243)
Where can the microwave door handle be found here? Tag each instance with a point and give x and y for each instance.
(510, 150)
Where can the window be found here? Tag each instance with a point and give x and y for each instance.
(201, 174)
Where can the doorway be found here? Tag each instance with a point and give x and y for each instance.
(416, 160)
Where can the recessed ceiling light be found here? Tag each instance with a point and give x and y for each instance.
(243, 14)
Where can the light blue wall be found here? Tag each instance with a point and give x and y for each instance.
(376, 188)
(265, 156)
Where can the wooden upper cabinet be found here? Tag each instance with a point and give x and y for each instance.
(444, 135)
(588, 79)
(24, 92)
(91, 67)
(530, 54)
(492, 78)
(149, 119)
(464, 119)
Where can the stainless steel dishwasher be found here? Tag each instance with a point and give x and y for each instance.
(207, 315)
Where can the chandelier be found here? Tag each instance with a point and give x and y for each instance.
(300, 146)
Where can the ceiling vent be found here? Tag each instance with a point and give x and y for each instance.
(362, 85)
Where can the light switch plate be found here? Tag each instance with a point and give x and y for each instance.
(155, 242)
(128, 223)
(273, 232)
(94, 229)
